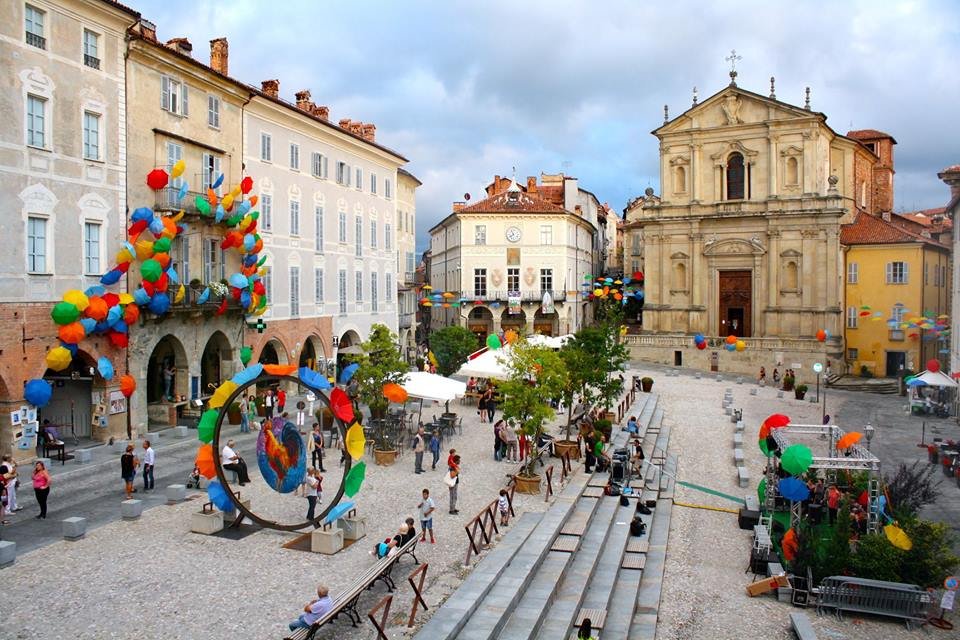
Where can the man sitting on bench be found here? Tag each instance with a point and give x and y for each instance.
(313, 610)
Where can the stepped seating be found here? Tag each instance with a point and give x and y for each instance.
(576, 560)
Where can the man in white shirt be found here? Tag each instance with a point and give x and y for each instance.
(149, 459)
(230, 459)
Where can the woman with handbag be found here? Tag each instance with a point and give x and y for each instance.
(41, 488)
(452, 480)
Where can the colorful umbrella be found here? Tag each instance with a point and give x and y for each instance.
(128, 384)
(355, 441)
(849, 440)
(354, 479)
(37, 392)
(223, 392)
(793, 489)
(279, 369)
(348, 372)
(762, 490)
(313, 379)
(341, 405)
(339, 510)
(208, 421)
(394, 393)
(898, 537)
(204, 461)
(790, 545)
(219, 496)
(796, 459)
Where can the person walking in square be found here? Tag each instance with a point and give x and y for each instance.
(510, 438)
(314, 491)
(244, 415)
(315, 447)
(301, 414)
(491, 403)
(8, 477)
(419, 446)
(453, 483)
(128, 470)
(313, 610)
(833, 501)
(41, 488)
(281, 399)
(482, 406)
(149, 461)
(268, 401)
(426, 509)
(435, 448)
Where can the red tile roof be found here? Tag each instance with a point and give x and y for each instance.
(925, 217)
(868, 134)
(954, 169)
(526, 202)
(868, 229)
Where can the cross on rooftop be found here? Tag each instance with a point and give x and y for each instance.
(732, 59)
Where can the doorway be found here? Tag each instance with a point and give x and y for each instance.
(735, 301)
(896, 363)
(678, 358)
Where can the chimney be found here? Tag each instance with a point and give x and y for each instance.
(531, 184)
(321, 111)
(148, 30)
(218, 55)
(492, 189)
(344, 123)
(951, 176)
(181, 45)
(271, 88)
(370, 132)
(458, 206)
(885, 216)
(356, 128)
(303, 101)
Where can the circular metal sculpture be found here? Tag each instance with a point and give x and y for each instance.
(281, 452)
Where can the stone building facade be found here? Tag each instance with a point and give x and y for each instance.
(63, 181)
(406, 231)
(744, 239)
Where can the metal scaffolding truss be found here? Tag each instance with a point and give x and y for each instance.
(854, 458)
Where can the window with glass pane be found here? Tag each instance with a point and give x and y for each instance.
(91, 49)
(546, 280)
(359, 181)
(91, 135)
(213, 111)
(387, 189)
(342, 227)
(373, 183)
(319, 165)
(358, 229)
(181, 252)
(342, 290)
(358, 282)
(480, 234)
(91, 248)
(294, 291)
(294, 156)
(36, 245)
(173, 96)
(212, 266)
(266, 212)
(387, 237)
(896, 273)
(546, 234)
(211, 171)
(33, 23)
(373, 234)
(480, 283)
(36, 122)
(852, 316)
(853, 273)
(411, 261)
(318, 229)
(897, 314)
(266, 147)
(388, 288)
(169, 193)
(318, 286)
(513, 279)
(853, 354)
(343, 173)
(294, 218)
(374, 303)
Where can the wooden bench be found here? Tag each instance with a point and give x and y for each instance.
(860, 595)
(346, 601)
(801, 626)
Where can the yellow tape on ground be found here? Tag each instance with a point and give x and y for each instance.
(703, 506)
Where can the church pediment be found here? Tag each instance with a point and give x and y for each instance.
(733, 106)
(790, 253)
(733, 246)
(679, 255)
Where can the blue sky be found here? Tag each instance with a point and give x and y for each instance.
(467, 90)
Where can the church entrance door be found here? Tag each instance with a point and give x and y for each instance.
(735, 298)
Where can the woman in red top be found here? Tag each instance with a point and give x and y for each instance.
(453, 453)
(833, 502)
(41, 488)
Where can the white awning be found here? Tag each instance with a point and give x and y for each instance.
(429, 386)
(489, 364)
(936, 379)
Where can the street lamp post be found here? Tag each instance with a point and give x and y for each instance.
(869, 431)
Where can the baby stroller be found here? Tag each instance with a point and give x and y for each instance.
(193, 480)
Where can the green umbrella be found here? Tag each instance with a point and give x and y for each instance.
(151, 270)
(246, 353)
(65, 313)
(796, 459)
(762, 490)
(162, 245)
(202, 205)
(208, 421)
(351, 484)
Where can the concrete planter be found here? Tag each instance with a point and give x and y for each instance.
(176, 493)
(328, 541)
(352, 528)
(8, 553)
(206, 523)
(74, 528)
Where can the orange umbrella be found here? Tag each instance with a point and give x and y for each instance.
(280, 369)
(394, 393)
(849, 440)
(204, 461)
(71, 333)
(447, 294)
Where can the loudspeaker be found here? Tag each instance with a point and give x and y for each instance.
(617, 471)
(748, 519)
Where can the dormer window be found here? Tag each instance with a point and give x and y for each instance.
(513, 198)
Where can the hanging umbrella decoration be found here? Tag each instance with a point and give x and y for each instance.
(766, 442)
(848, 440)
(700, 342)
(898, 537)
(796, 459)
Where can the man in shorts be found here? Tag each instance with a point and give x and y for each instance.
(426, 508)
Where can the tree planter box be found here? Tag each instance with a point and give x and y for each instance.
(233, 416)
(799, 395)
(131, 509)
(528, 485)
(646, 385)
(385, 458)
(563, 447)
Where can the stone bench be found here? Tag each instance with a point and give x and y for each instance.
(753, 391)
(353, 528)
(740, 380)
(752, 502)
(131, 509)
(8, 553)
(180, 432)
(206, 522)
(82, 456)
(327, 540)
(738, 457)
(780, 394)
(739, 425)
(176, 493)
(728, 410)
(743, 477)
(74, 528)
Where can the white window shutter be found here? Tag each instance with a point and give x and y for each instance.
(889, 272)
(165, 93)
(906, 273)
(186, 104)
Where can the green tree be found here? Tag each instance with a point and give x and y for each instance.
(910, 488)
(931, 558)
(835, 552)
(380, 363)
(535, 376)
(876, 559)
(451, 346)
(612, 358)
(584, 376)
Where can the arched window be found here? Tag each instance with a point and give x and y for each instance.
(680, 180)
(793, 171)
(790, 276)
(680, 277)
(735, 177)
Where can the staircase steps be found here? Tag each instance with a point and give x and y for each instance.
(644, 622)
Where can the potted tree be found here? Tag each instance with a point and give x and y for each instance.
(233, 413)
(611, 360)
(582, 378)
(380, 363)
(788, 381)
(536, 375)
(646, 383)
(800, 391)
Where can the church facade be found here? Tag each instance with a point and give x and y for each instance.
(744, 239)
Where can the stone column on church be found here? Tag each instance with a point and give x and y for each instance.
(834, 267)
(809, 175)
(774, 167)
(771, 325)
(694, 173)
(808, 279)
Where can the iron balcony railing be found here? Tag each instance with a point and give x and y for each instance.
(36, 41)
(91, 61)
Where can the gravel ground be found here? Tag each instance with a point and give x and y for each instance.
(153, 578)
(704, 583)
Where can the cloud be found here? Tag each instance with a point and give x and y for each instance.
(467, 90)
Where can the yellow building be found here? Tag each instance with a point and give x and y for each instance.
(895, 275)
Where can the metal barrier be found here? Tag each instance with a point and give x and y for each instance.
(549, 474)
(417, 591)
(482, 527)
(385, 605)
(895, 599)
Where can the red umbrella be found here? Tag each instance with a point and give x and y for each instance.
(774, 421)
(341, 405)
(157, 179)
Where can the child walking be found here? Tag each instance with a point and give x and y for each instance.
(426, 508)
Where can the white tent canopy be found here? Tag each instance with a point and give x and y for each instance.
(429, 386)
(936, 379)
(489, 364)
(551, 342)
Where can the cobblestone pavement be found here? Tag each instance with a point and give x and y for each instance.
(154, 578)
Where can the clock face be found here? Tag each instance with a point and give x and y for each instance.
(513, 234)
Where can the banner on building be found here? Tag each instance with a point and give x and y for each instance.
(547, 306)
(513, 302)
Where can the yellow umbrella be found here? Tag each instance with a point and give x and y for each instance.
(898, 537)
(222, 393)
(59, 358)
(355, 441)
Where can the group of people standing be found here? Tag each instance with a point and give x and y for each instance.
(487, 404)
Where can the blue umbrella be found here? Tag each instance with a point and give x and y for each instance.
(916, 382)
(348, 372)
(38, 392)
(339, 510)
(313, 379)
(247, 375)
(219, 496)
(793, 489)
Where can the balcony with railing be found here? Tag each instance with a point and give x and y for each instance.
(91, 61)
(35, 40)
(191, 303)
(526, 295)
(406, 320)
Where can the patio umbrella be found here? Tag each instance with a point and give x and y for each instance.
(796, 459)
(429, 386)
(935, 379)
(898, 537)
(849, 440)
(489, 364)
(793, 489)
